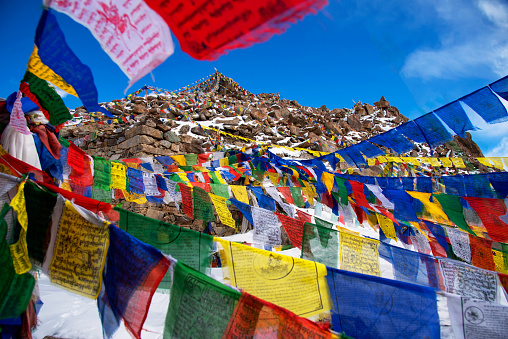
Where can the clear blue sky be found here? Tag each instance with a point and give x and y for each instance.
(419, 54)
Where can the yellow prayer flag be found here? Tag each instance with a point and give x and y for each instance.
(19, 250)
(39, 69)
(387, 226)
(446, 162)
(484, 161)
(458, 162)
(432, 208)
(179, 159)
(240, 193)
(296, 284)
(222, 210)
(224, 162)
(274, 178)
(371, 161)
(118, 176)
(414, 161)
(134, 197)
(382, 159)
(505, 161)
(434, 162)
(500, 262)
(79, 253)
(497, 162)
(327, 179)
(394, 159)
(424, 160)
(358, 254)
(309, 194)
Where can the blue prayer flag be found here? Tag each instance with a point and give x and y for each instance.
(373, 307)
(487, 105)
(57, 55)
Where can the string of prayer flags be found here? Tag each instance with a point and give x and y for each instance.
(358, 254)
(139, 40)
(222, 210)
(295, 284)
(15, 289)
(199, 306)
(77, 250)
(202, 205)
(130, 280)
(56, 54)
(373, 307)
(254, 317)
(266, 227)
(185, 245)
(251, 23)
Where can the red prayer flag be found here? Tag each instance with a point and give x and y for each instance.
(187, 200)
(293, 228)
(76, 158)
(481, 253)
(208, 29)
(489, 211)
(305, 217)
(359, 194)
(286, 193)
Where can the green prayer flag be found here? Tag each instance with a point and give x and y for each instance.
(15, 289)
(102, 195)
(342, 191)
(39, 207)
(48, 99)
(190, 247)
(220, 190)
(199, 307)
(296, 193)
(102, 173)
(203, 209)
(452, 207)
(320, 244)
(191, 159)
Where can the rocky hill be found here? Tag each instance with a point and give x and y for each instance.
(168, 123)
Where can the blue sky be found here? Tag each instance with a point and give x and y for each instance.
(419, 54)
